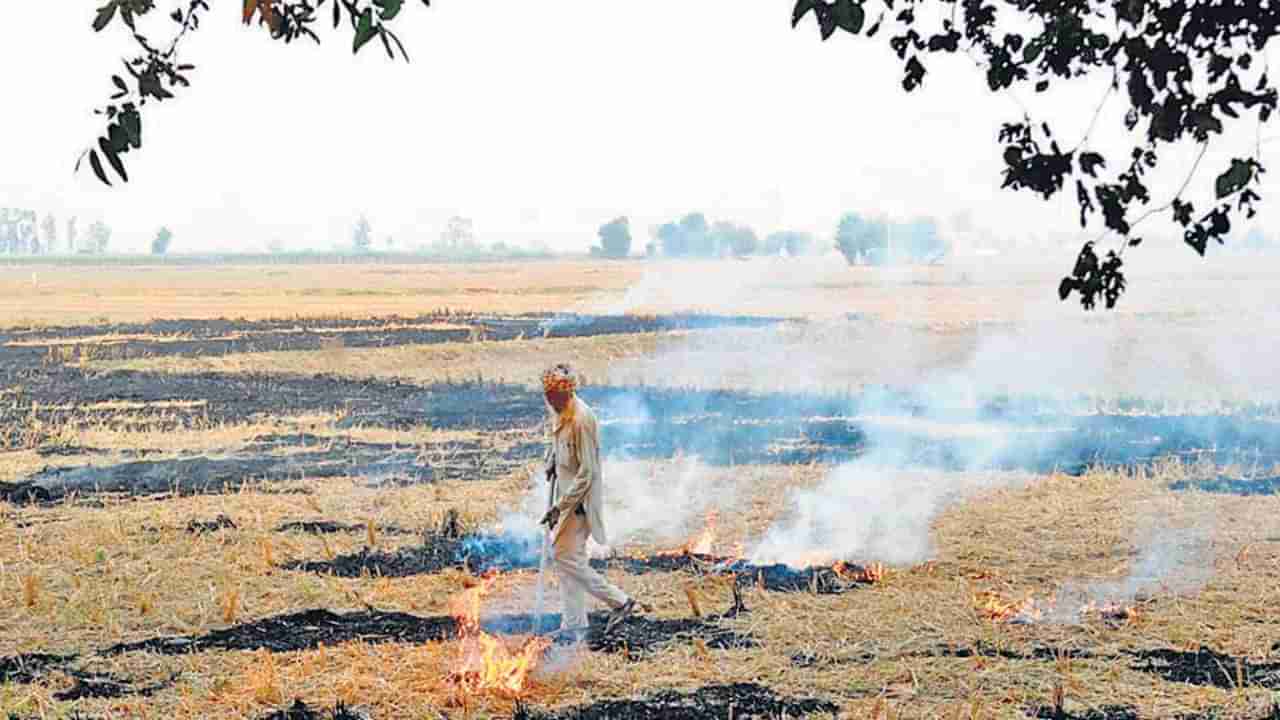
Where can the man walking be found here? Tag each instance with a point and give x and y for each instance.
(576, 512)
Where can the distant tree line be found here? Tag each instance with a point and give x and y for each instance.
(865, 241)
(19, 235)
(860, 240)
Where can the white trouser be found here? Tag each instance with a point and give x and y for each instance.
(577, 577)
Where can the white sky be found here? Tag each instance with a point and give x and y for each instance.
(537, 120)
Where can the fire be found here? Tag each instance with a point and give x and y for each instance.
(702, 543)
(1112, 612)
(997, 609)
(485, 663)
(853, 573)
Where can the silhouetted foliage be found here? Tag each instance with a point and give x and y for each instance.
(362, 235)
(795, 243)
(18, 232)
(99, 237)
(1185, 70)
(738, 240)
(615, 238)
(50, 227)
(160, 243)
(862, 241)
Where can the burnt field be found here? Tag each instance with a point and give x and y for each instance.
(262, 543)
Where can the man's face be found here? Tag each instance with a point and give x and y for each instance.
(559, 399)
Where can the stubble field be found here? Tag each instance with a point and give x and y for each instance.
(842, 492)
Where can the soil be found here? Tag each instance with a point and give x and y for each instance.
(639, 635)
(329, 527)
(1232, 486)
(301, 711)
(1207, 667)
(377, 463)
(739, 700)
(192, 338)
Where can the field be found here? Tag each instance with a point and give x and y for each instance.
(307, 491)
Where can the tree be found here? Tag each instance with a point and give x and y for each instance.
(362, 235)
(457, 235)
(99, 237)
(734, 239)
(160, 243)
(697, 236)
(862, 240)
(672, 239)
(50, 228)
(920, 241)
(71, 234)
(1183, 70)
(615, 238)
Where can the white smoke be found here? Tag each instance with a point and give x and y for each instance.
(1171, 558)
(880, 506)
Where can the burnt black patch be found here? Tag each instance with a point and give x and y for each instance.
(26, 668)
(1206, 667)
(1231, 486)
(1105, 712)
(329, 527)
(636, 637)
(299, 710)
(739, 700)
(1044, 653)
(103, 685)
(810, 659)
(433, 556)
(221, 522)
(303, 631)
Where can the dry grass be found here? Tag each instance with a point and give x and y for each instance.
(88, 577)
(964, 292)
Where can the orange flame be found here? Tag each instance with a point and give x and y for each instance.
(1112, 612)
(997, 609)
(700, 544)
(853, 573)
(485, 663)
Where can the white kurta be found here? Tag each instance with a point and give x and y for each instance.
(576, 448)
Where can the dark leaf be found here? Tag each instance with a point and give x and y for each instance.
(1090, 162)
(96, 164)
(390, 8)
(1042, 86)
(364, 31)
(118, 137)
(105, 13)
(337, 13)
(119, 81)
(1135, 242)
(177, 15)
(112, 158)
(849, 16)
(1236, 177)
(127, 16)
(1066, 286)
(914, 76)
(131, 121)
(802, 8)
(826, 22)
(1032, 51)
(875, 27)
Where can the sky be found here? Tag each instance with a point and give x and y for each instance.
(539, 121)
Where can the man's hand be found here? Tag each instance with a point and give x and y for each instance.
(551, 518)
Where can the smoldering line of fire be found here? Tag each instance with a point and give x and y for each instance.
(879, 507)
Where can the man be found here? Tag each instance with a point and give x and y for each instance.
(576, 511)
